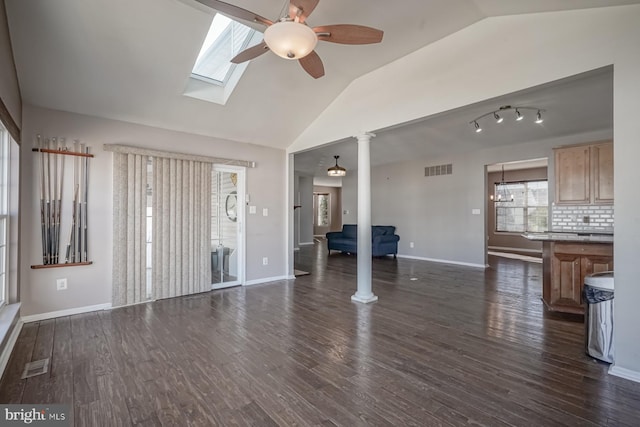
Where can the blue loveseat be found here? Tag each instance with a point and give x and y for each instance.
(384, 241)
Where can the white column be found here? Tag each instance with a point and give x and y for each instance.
(364, 294)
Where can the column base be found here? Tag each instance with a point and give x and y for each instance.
(366, 300)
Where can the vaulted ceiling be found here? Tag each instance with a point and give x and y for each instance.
(131, 60)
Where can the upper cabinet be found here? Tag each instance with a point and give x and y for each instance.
(602, 173)
(584, 174)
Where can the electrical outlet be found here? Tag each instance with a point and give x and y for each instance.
(411, 244)
(252, 210)
(265, 261)
(265, 212)
(61, 284)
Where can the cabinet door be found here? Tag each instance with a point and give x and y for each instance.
(566, 281)
(602, 173)
(572, 166)
(595, 264)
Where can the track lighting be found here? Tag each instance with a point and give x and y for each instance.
(499, 116)
(518, 115)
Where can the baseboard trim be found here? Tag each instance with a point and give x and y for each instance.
(507, 249)
(444, 261)
(67, 312)
(624, 373)
(267, 280)
(306, 244)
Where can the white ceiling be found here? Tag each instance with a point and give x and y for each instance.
(575, 105)
(130, 60)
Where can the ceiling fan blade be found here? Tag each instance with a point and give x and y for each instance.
(301, 8)
(312, 64)
(251, 53)
(348, 34)
(235, 11)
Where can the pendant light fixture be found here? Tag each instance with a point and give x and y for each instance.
(336, 170)
(501, 194)
(499, 115)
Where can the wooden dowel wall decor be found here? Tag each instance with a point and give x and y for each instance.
(52, 155)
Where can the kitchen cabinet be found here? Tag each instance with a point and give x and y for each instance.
(584, 174)
(565, 265)
(602, 173)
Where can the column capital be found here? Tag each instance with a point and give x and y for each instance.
(365, 136)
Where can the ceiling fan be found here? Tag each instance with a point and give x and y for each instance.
(291, 38)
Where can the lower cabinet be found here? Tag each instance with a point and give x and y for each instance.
(565, 265)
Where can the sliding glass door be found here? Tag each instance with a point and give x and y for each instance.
(227, 219)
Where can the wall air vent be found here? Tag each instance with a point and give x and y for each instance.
(438, 170)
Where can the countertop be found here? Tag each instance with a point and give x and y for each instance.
(569, 237)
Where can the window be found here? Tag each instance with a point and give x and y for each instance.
(322, 218)
(529, 209)
(4, 211)
(226, 38)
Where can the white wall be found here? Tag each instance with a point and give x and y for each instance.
(91, 285)
(501, 55)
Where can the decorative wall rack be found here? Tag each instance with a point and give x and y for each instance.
(54, 200)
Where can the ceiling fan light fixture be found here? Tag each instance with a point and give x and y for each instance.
(290, 40)
(336, 170)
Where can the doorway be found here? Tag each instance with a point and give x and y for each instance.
(227, 226)
(517, 202)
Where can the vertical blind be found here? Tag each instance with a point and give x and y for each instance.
(180, 191)
(129, 237)
(181, 227)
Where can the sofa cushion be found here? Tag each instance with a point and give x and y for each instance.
(350, 231)
(382, 230)
(341, 241)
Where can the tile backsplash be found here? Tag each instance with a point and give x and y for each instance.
(582, 218)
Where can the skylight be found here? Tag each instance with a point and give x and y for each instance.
(226, 38)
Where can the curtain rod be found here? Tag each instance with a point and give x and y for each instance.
(128, 149)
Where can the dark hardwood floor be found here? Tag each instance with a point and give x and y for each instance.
(444, 345)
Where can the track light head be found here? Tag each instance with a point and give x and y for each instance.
(518, 115)
(498, 118)
(539, 118)
(478, 128)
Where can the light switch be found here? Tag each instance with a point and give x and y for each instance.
(475, 211)
(265, 212)
(252, 210)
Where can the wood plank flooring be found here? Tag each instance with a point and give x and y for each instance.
(444, 345)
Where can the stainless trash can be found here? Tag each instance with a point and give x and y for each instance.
(598, 295)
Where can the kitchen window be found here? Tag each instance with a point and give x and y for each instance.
(529, 210)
